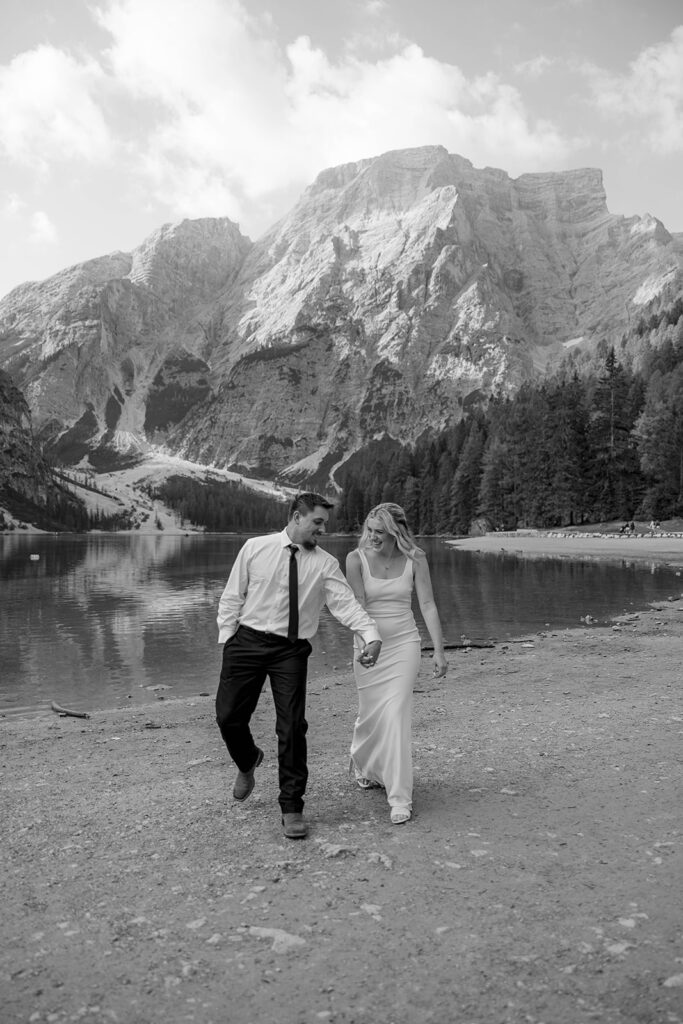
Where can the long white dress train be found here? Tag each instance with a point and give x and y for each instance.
(381, 748)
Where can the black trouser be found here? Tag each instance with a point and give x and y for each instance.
(248, 658)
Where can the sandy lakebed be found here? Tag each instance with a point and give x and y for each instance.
(540, 881)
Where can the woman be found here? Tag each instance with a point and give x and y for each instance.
(383, 571)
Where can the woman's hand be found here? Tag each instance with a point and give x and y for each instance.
(440, 666)
(370, 653)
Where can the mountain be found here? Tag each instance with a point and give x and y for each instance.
(398, 292)
(28, 488)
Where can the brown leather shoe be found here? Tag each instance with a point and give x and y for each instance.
(245, 782)
(294, 825)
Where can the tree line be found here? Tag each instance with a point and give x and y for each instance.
(600, 440)
(221, 506)
(60, 511)
(577, 448)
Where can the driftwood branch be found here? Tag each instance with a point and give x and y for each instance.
(462, 647)
(66, 711)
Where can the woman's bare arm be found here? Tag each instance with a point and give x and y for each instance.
(353, 575)
(430, 613)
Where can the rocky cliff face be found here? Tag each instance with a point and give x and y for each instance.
(397, 291)
(25, 477)
(107, 352)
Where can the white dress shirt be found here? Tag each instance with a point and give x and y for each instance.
(257, 591)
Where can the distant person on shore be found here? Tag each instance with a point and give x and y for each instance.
(268, 612)
(383, 571)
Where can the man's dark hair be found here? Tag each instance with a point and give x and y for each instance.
(308, 500)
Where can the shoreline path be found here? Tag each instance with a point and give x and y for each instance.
(668, 548)
(539, 881)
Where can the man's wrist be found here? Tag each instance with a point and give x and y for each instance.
(370, 636)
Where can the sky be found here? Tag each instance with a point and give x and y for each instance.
(118, 116)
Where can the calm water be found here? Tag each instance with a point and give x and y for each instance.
(99, 621)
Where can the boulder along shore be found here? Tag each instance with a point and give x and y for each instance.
(539, 880)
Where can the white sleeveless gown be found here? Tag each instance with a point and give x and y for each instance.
(381, 749)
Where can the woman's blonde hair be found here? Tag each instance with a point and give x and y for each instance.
(393, 519)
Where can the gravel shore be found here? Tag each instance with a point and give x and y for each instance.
(539, 882)
(664, 548)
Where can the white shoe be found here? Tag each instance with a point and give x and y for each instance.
(360, 779)
(400, 815)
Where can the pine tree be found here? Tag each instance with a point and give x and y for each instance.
(464, 494)
(496, 485)
(570, 451)
(442, 495)
(659, 436)
(615, 488)
(411, 501)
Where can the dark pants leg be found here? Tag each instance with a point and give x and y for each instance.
(248, 658)
(288, 684)
(243, 674)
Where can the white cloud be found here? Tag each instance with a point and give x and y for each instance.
(535, 67)
(188, 56)
(42, 230)
(651, 92)
(360, 108)
(13, 206)
(192, 190)
(35, 226)
(241, 119)
(375, 8)
(220, 83)
(199, 107)
(47, 112)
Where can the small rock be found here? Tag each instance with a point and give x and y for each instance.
(336, 849)
(372, 909)
(282, 941)
(380, 858)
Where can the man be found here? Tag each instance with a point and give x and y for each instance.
(268, 612)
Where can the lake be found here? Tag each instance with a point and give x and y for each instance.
(98, 621)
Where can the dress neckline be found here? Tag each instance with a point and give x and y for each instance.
(382, 579)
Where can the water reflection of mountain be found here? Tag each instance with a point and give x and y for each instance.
(105, 613)
(31, 556)
(96, 619)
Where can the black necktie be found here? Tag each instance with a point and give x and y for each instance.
(293, 628)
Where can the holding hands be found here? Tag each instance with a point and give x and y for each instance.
(370, 653)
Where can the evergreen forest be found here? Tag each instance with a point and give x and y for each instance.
(222, 507)
(580, 447)
(599, 441)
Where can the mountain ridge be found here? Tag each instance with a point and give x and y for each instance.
(396, 292)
